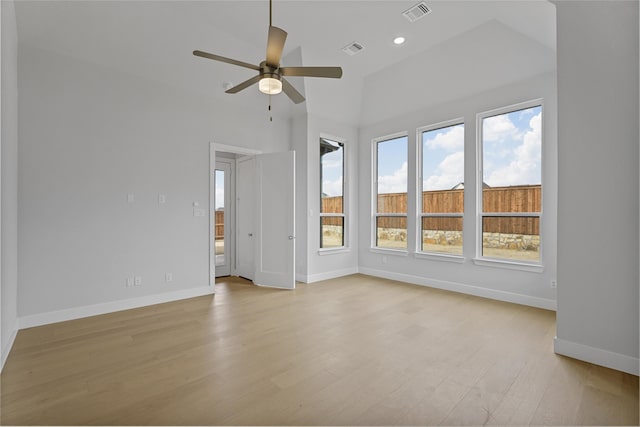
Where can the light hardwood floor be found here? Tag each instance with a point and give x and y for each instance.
(350, 351)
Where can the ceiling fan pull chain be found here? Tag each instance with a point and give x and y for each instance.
(270, 115)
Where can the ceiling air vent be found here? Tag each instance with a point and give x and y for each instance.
(416, 12)
(353, 48)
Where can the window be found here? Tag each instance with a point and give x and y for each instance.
(441, 205)
(332, 219)
(390, 192)
(511, 194)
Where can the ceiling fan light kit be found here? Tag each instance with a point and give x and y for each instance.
(270, 78)
(270, 85)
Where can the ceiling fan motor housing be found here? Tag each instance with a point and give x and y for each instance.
(267, 70)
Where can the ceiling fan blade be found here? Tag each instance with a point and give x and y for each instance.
(291, 92)
(275, 44)
(330, 72)
(223, 59)
(245, 84)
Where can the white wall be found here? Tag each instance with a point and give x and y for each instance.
(532, 288)
(9, 179)
(598, 182)
(489, 56)
(88, 137)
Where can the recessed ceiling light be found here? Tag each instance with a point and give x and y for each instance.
(399, 40)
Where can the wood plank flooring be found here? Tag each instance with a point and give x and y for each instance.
(351, 351)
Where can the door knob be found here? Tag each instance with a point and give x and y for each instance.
(292, 237)
(250, 234)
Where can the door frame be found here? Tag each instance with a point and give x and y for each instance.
(213, 147)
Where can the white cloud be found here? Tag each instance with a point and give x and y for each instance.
(332, 188)
(449, 173)
(331, 163)
(394, 183)
(525, 167)
(452, 140)
(498, 128)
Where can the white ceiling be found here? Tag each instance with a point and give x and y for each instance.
(155, 39)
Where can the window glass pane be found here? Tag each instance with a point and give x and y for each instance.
(391, 232)
(219, 217)
(511, 159)
(331, 173)
(332, 229)
(442, 234)
(443, 158)
(392, 175)
(514, 238)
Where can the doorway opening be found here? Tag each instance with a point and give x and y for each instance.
(224, 258)
(252, 220)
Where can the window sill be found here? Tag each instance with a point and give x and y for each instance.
(397, 252)
(459, 259)
(340, 250)
(511, 265)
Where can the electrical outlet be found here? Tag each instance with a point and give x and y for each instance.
(129, 282)
(168, 277)
(554, 284)
(137, 281)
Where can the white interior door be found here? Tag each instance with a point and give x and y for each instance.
(275, 238)
(246, 207)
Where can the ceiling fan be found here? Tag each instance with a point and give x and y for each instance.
(270, 76)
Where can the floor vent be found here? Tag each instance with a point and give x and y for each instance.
(416, 12)
(353, 48)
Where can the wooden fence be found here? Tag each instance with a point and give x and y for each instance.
(524, 198)
(219, 225)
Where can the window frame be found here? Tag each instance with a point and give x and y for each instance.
(345, 198)
(480, 259)
(420, 190)
(374, 195)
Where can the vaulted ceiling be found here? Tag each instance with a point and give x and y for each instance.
(478, 42)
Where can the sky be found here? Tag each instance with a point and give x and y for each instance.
(219, 179)
(332, 173)
(512, 148)
(511, 154)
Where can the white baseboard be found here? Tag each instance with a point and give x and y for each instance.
(597, 356)
(544, 303)
(331, 274)
(110, 307)
(6, 349)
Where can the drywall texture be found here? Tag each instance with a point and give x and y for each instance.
(598, 175)
(89, 137)
(9, 155)
(487, 57)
